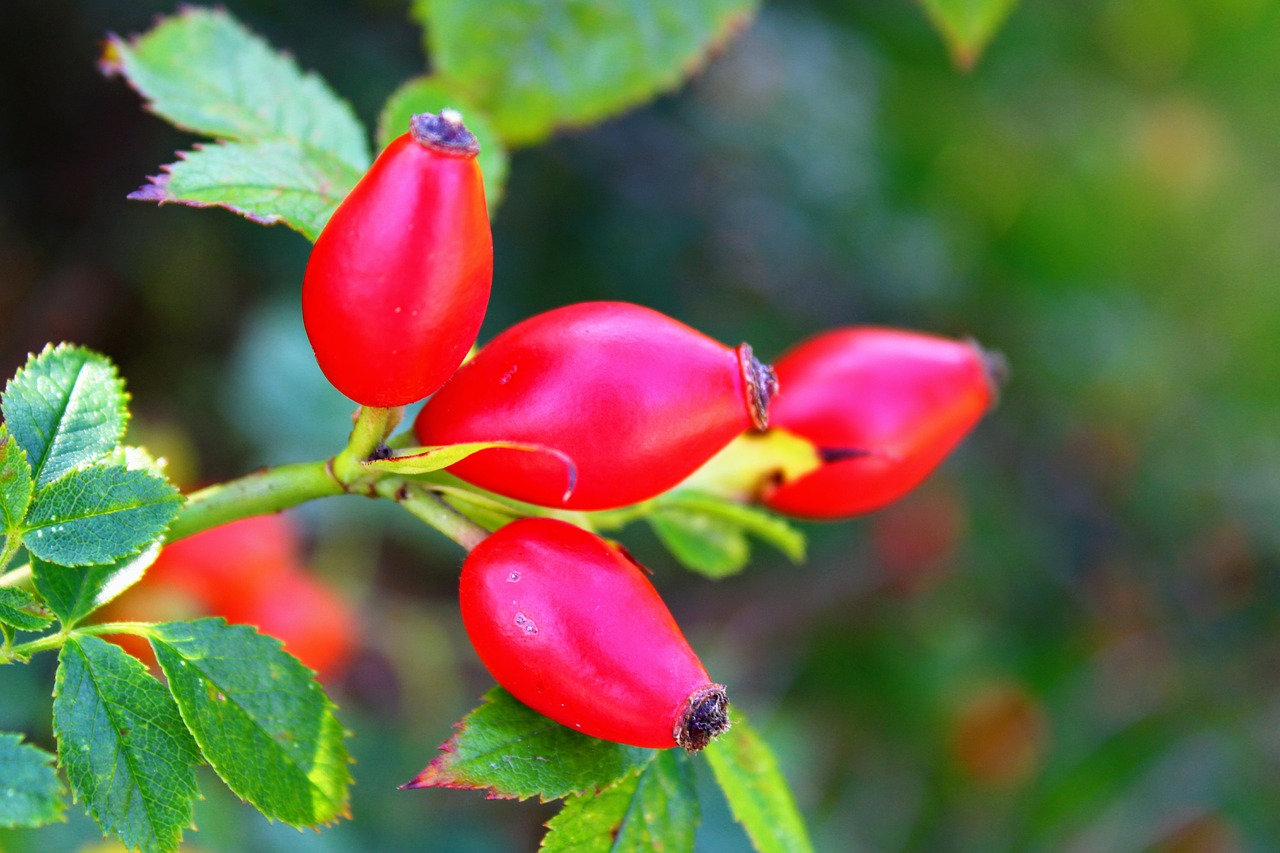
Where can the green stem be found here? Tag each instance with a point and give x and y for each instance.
(260, 493)
(371, 428)
(17, 577)
(613, 519)
(12, 542)
(137, 629)
(427, 506)
(23, 651)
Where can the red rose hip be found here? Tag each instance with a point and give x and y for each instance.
(883, 408)
(636, 399)
(398, 281)
(571, 627)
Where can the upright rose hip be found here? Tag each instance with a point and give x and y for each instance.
(571, 626)
(399, 279)
(883, 408)
(636, 399)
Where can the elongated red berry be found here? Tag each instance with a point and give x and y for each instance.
(398, 281)
(636, 399)
(571, 627)
(883, 407)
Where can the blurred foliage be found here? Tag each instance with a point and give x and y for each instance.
(1065, 641)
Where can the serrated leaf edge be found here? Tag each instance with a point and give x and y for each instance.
(329, 705)
(122, 395)
(58, 682)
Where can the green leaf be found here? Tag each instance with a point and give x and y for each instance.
(267, 181)
(655, 809)
(512, 751)
(16, 610)
(430, 95)
(205, 72)
(137, 459)
(534, 67)
(290, 148)
(15, 483)
(262, 721)
(30, 793)
(99, 515)
(73, 592)
(967, 25)
(123, 745)
(706, 544)
(706, 533)
(758, 795)
(424, 460)
(65, 408)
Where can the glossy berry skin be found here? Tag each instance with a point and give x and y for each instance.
(636, 399)
(398, 281)
(571, 626)
(883, 407)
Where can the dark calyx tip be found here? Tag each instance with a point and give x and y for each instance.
(995, 367)
(762, 384)
(705, 715)
(445, 133)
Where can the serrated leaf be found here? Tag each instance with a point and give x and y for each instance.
(535, 67)
(655, 809)
(17, 609)
(424, 460)
(73, 592)
(65, 408)
(758, 795)
(30, 793)
(290, 149)
(16, 485)
(99, 515)
(137, 459)
(967, 25)
(262, 721)
(123, 745)
(708, 545)
(430, 95)
(204, 71)
(513, 752)
(267, 181)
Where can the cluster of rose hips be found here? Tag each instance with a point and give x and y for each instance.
(619, 404)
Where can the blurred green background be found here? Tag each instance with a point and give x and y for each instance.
(1066, 640)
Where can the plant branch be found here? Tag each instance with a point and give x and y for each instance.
(260, 493)
(23, 651)
(428, 507)
(372, 426)
(17, 577)
(12, 542)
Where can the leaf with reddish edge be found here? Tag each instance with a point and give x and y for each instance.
(424, 460)
(288, 149)
(967, 26)
(513, 752)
